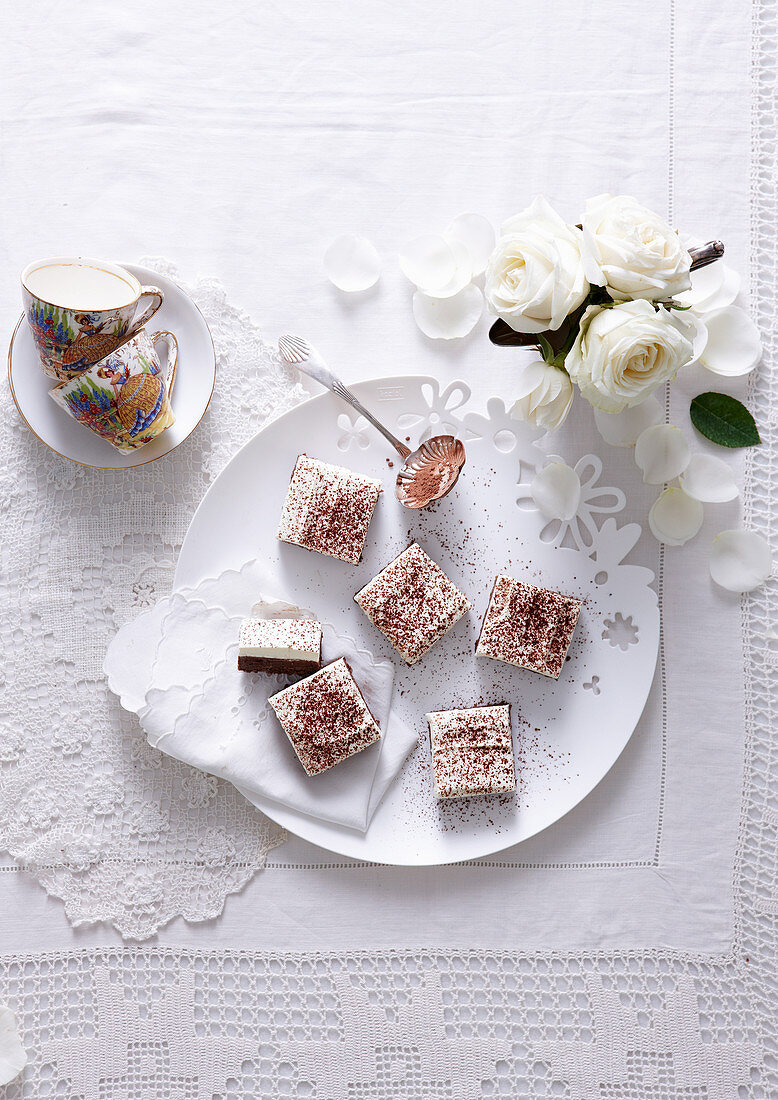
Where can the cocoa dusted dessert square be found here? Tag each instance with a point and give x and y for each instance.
(412, 602)
(328, 509)
(472, 752)
(527, 626)
(325, 717)
(279, 645)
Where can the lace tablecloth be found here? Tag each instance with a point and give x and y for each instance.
(626, 953)
(107, 823)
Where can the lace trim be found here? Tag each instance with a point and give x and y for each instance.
(104, 821)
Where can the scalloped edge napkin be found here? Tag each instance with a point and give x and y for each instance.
(191, 683)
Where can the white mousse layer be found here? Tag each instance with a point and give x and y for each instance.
(280, 639)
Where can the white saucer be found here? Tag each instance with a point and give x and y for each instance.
(191, 395)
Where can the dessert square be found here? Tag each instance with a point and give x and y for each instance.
(328, 509)
(325, 717)
(279, 645)
(528, 626)
(412, 602)
(472, 751)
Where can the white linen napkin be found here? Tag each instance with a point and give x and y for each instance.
(200, 709)
(129, 658)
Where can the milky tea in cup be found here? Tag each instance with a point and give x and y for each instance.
(81, 310)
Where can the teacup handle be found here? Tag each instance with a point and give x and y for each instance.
(145, 291)
(172, 356)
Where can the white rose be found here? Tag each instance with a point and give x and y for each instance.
(535, 276)
(624, 352)
(638, 254)
(545, 396)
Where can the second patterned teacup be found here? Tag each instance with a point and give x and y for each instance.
(125, 398)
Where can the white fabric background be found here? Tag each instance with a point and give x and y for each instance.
(238, 141)
(264, 135)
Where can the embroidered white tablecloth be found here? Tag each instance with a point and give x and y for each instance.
(627, 952)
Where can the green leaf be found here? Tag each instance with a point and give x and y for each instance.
(724, 420)
(546, 350)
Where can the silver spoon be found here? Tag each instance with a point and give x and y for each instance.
(427, 473)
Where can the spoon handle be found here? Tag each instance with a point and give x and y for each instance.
(706, 254)
(322, 374)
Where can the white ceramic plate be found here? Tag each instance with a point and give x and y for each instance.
(194, 384)
(567, 734)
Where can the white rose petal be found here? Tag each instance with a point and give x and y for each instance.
(622, 429)
(624, 352)
(556, 490)
(544, 396)
(476, 233)
(535, 276)
(448, 318)
(714, 286)
(693, 328)
(675, 517)
(662, 453)
(531, 377)
(740, 560)
(461, 277)
(734, 346)
(429, 262)
(13, 1056)
(709, 479)
(352, 263)
(638, 253)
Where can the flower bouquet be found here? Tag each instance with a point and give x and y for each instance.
(608, 303)
(615, 311)
(617, 306)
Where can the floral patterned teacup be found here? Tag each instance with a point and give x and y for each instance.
(126, 397)
(81, 310)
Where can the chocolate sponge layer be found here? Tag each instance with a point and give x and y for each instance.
(272, 664)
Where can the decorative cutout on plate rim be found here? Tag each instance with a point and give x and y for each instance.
(352, 430)
(581, 532)
(600, 539)
(593, 685)
(620, 631)
(438, 418)
(504, 431)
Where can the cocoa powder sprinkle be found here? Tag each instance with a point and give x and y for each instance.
(412, 602)
(472, 751)
(328, 509)
(528, 626)
(325, 717)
